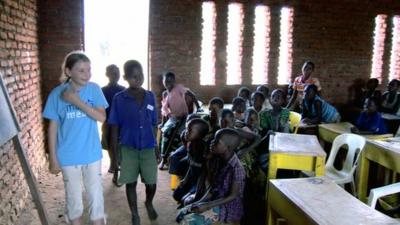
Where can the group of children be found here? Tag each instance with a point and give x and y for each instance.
(221, 156)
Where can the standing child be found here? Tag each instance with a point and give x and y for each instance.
(391, 98)
(300, 84)
(370, 120)
(174, 109)
(223, 203)
(316, 110)
(112, 88)
(133, 118)
(73, 108)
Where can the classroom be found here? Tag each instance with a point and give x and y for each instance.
(247, 111)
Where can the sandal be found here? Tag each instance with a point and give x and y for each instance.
(115, 180)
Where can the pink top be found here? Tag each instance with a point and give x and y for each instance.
(174, 104)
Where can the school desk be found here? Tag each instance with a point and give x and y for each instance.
(295, 152)
(384, 152)
(318, 200)
(329, 131)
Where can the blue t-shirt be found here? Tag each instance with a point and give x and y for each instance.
(328, 112)
(78, 141)
(373, 123)
(135, 122)
(109, 91)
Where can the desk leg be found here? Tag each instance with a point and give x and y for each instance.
(271, 216)
(363, 179)
(273, 166)
(320, 166)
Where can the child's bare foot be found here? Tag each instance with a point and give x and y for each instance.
(135, 220)
(151, 212)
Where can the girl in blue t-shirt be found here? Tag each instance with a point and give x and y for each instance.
(370, 120)
(73, 109)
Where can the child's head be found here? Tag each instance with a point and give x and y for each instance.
(169, 80)
(215, 105)
(372, 84)
(238, 104)
(225, 141)
(244, 92)
(263, 89)
(76, 67)
(310, 92)
(191, 117)
(277, 98)
(133, 73)
(251, 118)
(370, 105)
(257, 100)
(227, 119)
(112, 72)
(307, 69)
(197, 129)
(393, 85)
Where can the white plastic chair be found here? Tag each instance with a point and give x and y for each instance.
(379, 192)
(355, 144)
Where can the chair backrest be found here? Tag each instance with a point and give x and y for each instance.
(294, 119)
(355, 144)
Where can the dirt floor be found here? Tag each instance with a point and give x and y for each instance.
(52, 190)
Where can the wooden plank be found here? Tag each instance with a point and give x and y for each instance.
(321, 201)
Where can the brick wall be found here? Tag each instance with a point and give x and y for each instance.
(338, 37)
(20, 71)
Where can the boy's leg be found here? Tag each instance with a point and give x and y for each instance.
(73, 193)
(148, 173)
(94, 188)
(132, 201)
(150, 192)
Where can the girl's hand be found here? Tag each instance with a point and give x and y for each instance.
(70, 96)
(54, 167)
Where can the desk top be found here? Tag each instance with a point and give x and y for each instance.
(345, 127)
(300, 144)
(325, 202)
(390, 144)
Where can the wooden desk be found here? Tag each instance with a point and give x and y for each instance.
(296, 152)
(384, 152)
(329, 131)
(318, 200)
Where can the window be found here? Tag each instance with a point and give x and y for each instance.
(394, 71)
(379, 47)
(261, 45)
(234, 47)
(285, 46)
(207, 70)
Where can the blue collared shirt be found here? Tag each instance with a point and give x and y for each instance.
(135, 122)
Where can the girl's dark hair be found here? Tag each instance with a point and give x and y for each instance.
(395, 81)
(313, 87)
(130, 66)
(168, 74)
(226, 112)
(309, 63)
(217, 101)
(69, 61)
(278, 90)
(244, 89)
(259, 94)
(263, 89)
(204, 128)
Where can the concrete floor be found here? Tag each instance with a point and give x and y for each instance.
(52, 190)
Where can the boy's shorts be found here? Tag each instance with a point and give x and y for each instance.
(135, 162)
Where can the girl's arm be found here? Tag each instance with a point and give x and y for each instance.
(54, 166)
(292, 99)
(252, 138)
(318, 109)
(193, 96)
(200, 207)
(114, 142)
(72, 97)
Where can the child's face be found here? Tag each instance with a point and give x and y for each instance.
(240, 107)
(113, 75)
(135, 80)
(169, 82)
(244, 94)
(263, 90)
(193, 132)
(227, 122)
(276, 99)
(79, 73)
(257, 101)
(392, 86)
(370, 106)
(252, 120)
(217, 146)
(307, 70)
(214, 111)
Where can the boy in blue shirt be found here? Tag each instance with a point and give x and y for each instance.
(133, 118)
(370, 120)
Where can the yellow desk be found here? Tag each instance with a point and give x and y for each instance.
(329, 131)
(318, 200)
(296, 152)
(384, 152)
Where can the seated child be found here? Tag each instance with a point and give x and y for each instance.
(174, 109)
(391, 98)
(257, 100)
(277, 118)
(265, 90)
(371, 92)
(238, 108)
(251, 121)
(227, 119)
(244, 92)
(370, 120)
(194, 135)
(215, 106)
(223, 202)
(316, 110)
